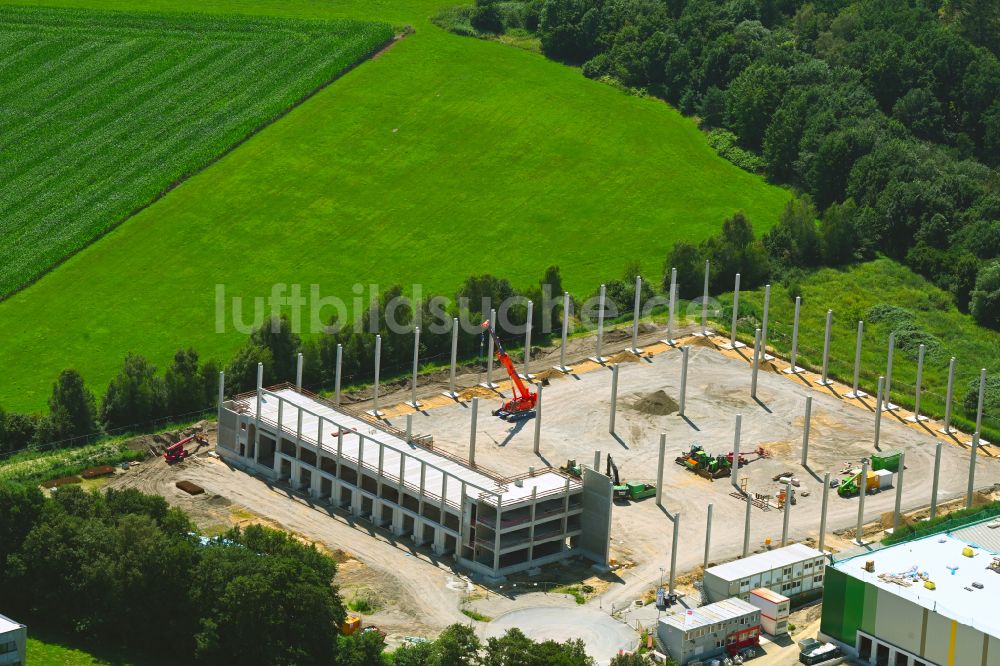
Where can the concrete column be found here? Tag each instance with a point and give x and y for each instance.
(756, 364)
(635, 316)
(708, 537)
(746, 526)
(409, 428)
(490, 353)
(899, 491)
(822, 515)
(736, 453)
(378, 366)
(763, 323)
(614, 398)
(472, 431)
(795, 369)
(336, 381)
(887, 392)
(298, 425)
(862, 493)
(733, 344)
(416, 366)
(222, 393)
(704, 304)
(673, 551)
(673, 303)
(454, 360)
(825, 380)
(281, 416)
(319, 436)
(659, 469)
(972, 470)
(878, 409)
(805, 431)
(934, 481)
(298, 371)
(787, 514)
(538, 421)
(340, 446)
(684, 375)
(600, 326)
(597, 461)
(527, 340)
(562, 367)
(260, 386)
(856, 392)
(982, 395)
(496, 538)
(947, 401)
(917, 418)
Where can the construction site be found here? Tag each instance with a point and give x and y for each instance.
(601, 470)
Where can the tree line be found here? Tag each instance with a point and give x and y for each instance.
(139, 395)
(884, 112)
(123, 569)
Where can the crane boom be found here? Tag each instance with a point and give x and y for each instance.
(524, 400)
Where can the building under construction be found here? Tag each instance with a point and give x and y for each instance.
(491, 524)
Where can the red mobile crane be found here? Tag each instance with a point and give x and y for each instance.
(522, 405)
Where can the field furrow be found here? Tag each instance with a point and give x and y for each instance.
(100, 112)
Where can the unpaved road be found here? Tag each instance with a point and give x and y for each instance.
(424, 594)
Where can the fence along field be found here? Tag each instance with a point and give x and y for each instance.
(102, 111)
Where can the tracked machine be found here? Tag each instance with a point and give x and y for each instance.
(522, 405)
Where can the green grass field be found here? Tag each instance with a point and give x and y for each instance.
(103, 111)
(851, 294)
(444, 157)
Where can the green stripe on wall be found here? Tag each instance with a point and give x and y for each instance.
(870, 608)
(832, 620)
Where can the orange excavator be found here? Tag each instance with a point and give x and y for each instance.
(522, 405)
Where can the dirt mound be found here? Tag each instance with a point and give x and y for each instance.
(623, 357)
(476, 392)
(61, 481)
(190, 488)
(547, 375)
(657, 403)
(699, 341)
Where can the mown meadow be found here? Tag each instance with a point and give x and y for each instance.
(445, 157)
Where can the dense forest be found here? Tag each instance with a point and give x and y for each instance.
(884, 114)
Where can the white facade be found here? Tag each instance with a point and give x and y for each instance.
(13, 640)
(774, 610)
(794, 571)
(493, 525)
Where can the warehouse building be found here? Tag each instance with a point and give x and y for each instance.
(926, 602)
(795, 571)
(493, 525)
(699, 634)
(13, 642)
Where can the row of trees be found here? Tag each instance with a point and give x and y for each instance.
(139, 395)
(887, 109)
(123, 569)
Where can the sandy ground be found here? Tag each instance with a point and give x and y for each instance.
(421, 594)
(575, 423)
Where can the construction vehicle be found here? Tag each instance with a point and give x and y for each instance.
(850, 484)
(522, 405)
(572, 468)
(704, 464)
(176, 451)
(628, 490)
(611, 471)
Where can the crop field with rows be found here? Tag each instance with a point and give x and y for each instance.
(102, 112)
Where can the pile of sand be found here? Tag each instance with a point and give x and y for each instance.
(476, 392)
(657, 403)
(622, 357)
